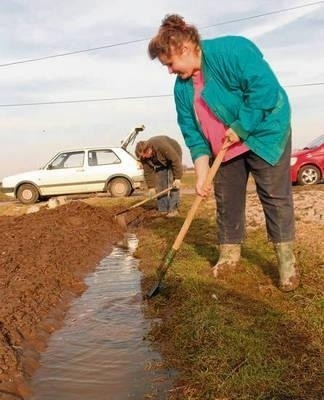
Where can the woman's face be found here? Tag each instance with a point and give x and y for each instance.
(184, 62)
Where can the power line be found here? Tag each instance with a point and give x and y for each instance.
(263, 15)
(145, 39)
(72, 52)
(85, 100)
(305, 84)
(122, 98)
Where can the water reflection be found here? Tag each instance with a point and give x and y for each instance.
(100, 353)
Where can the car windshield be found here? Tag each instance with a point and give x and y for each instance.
(68, 160)
(315, 143)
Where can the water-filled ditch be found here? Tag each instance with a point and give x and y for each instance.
(99, 353)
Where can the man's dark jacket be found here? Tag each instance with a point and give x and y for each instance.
(167, 153)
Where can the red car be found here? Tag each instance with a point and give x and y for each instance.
(307, 165)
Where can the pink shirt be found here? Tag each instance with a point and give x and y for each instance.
(212, 128)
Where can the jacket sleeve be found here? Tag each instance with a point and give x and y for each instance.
(259, 86)
(188, 124)
(174, 157)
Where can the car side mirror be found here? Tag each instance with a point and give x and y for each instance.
(50, 166)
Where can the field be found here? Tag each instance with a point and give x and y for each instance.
(235, 339)
(241, 338)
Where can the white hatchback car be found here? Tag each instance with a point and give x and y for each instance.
(85, 170)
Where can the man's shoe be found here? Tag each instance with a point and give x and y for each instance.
(158, 213)
(173, 213)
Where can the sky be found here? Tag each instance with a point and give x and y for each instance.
(292, 42)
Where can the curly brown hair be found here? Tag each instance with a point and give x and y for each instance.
(173, 32)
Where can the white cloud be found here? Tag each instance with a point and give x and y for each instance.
(42, 27)
(277, 21)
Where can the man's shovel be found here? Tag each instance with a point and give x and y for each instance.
(120, 217)
(162, 269)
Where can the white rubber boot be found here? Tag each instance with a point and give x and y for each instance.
(289, 277)
(229, 257)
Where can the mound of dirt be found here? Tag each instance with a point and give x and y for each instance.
(43, 258)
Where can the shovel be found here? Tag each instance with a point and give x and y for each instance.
(119, 216)
(162, 269)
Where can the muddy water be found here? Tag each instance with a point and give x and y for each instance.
(100, 353)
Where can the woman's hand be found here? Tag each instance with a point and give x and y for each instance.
(230, 138)
(201, 190)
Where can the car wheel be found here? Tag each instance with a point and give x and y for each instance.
(119, 187)
(308, 175)
(27, 193)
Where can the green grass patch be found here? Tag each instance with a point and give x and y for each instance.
(188, 179)
(235, 339)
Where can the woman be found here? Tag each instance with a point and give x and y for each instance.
(224, 88)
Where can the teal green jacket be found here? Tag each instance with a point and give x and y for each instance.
(243, 92)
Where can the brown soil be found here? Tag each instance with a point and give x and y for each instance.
(43, 259)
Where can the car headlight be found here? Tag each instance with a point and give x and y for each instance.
(293, 161)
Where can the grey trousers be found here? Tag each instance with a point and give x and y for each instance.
(167, 202)
(274, 189)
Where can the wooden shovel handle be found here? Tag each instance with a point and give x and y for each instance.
(152, 197)
(191, 213)
(145, 201)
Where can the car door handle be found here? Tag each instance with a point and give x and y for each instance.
(80, 170)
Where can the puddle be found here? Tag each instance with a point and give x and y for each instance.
(100, 353)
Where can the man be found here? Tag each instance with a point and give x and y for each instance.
(161, 157)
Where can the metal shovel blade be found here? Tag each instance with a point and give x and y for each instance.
(154, 291)
(161, 271)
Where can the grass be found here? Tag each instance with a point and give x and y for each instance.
(240, 339)
(188, 180)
